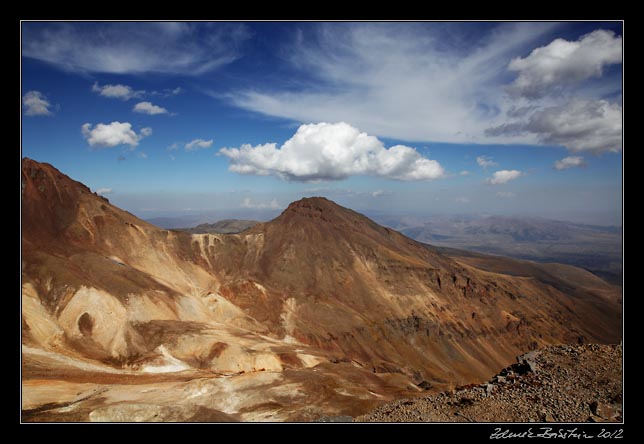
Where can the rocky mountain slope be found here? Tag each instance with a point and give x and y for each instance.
(319, 311)
(555, 384)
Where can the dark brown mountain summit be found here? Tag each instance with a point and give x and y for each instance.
(323, 300)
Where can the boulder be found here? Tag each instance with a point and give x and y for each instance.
(603, 410)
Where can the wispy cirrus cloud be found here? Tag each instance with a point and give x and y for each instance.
(193, 145)
(134, 47)
(248, 202)
(126, 92)
(167, 92)
(452, 90)
(198, 144)
(426, 88)
(569, 162)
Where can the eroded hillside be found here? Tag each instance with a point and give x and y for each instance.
(318, 312)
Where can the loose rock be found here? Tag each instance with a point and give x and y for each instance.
(555, 384)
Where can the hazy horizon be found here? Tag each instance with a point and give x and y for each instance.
(267, 214)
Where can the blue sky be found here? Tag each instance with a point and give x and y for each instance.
(416, 118)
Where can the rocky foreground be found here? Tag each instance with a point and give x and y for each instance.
(555, 384)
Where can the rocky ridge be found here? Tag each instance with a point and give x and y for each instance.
(555, 384)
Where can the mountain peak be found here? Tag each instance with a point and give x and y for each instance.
(316, 203)
(320, 208)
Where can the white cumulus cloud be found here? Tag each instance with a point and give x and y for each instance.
(36, 104)
(503, 176)
(103, 191)
(113, 134)
(462, 200)
(506, 194)
(562, 63)
(122, 92)
(149, 108)
(198, 144)
(569, 162)
(331, 151)
(486, 162)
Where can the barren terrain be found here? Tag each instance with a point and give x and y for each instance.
(319, 312)
(554, 384)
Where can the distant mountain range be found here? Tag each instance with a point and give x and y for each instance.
(226, 226)
(595, 248)
(191, 220)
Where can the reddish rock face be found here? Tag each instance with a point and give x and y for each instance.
(318, 284)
